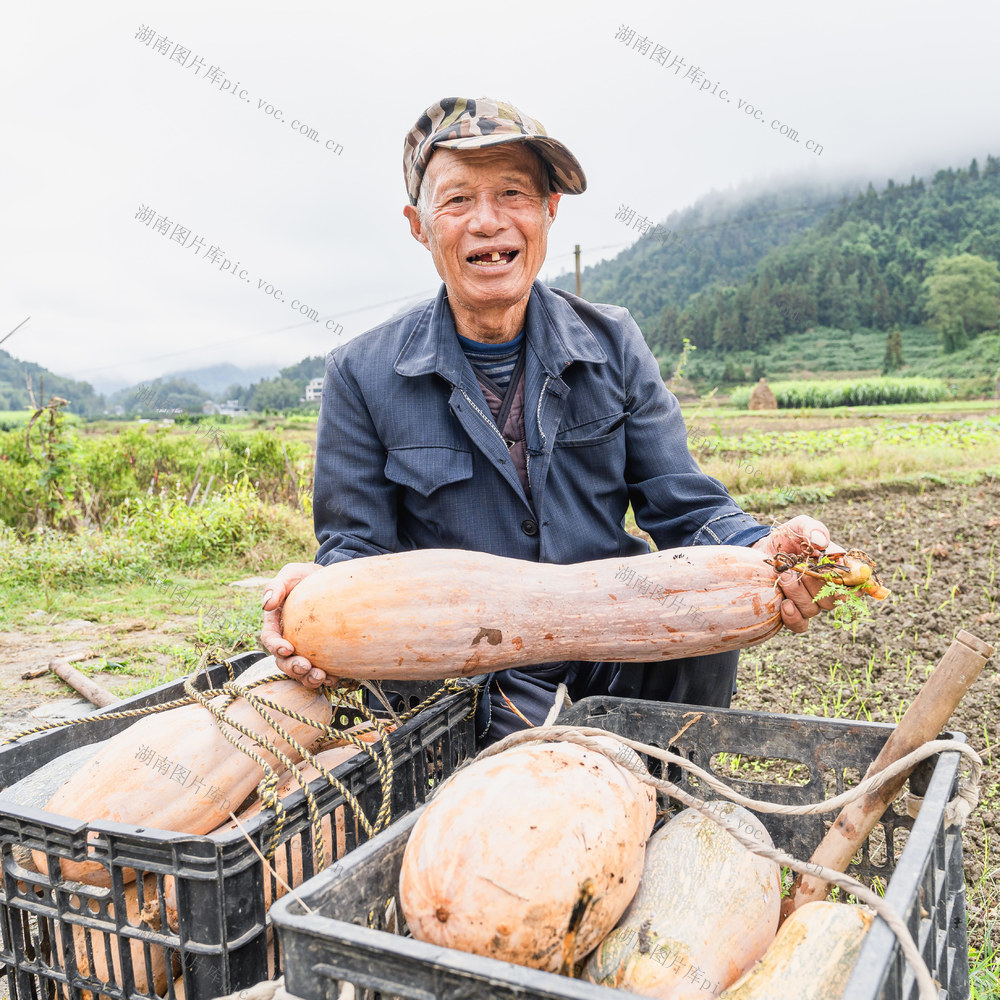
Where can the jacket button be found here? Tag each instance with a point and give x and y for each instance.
(529, 527)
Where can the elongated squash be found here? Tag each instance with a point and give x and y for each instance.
(176, 770)
(811, 958)
(288, 861)
(436, 613)
(288, 783)
(517, 847)
(97, 954)
(706, 910)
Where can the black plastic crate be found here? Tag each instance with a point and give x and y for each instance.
(346, 938)
(223, 941)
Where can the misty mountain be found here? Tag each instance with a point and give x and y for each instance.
(216, 379)
(732, 276)
(861, 267)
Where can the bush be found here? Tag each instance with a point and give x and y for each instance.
(229, 523)
(862, 392)
(99, 473)
(154, 533)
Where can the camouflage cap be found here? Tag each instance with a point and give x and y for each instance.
(464, 123)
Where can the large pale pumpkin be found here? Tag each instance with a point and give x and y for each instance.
(513, 844)
(176, 770)
(706, 910)
(436, 613)
(812, 957)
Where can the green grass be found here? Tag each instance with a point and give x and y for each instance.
(703, 416)
(771, 469)
(984, 959)
(11, 420)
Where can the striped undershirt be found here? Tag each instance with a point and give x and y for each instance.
(495, 361)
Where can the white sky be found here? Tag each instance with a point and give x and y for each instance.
(96, 124)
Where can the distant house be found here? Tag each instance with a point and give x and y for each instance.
(232, 408)
(314, 390)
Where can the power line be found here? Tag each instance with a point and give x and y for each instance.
(16, 328)
(406, 298)
(245, 337)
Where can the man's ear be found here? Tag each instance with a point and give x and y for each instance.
(416, 228)
(552, 206)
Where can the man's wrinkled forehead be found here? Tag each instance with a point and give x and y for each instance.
(510, 163)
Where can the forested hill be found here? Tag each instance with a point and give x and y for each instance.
(861, 265)
(14, 387)
(719, 240)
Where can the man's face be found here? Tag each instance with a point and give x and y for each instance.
(486, 223)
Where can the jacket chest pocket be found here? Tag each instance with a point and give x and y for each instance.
(589, 459)
(427, 468)
(594, 432)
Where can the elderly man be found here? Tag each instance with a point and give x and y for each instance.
(508, 417)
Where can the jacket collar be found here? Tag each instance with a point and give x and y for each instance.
(557, 334)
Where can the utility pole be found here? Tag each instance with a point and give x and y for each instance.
(576, 253)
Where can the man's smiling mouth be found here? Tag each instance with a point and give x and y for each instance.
(493, 258)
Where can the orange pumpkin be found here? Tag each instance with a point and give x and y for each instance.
(518, 846)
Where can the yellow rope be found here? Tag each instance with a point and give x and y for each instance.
(99, 717)
(255, 745)
(268, 787)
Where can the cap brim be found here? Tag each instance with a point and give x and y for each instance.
(566, 174)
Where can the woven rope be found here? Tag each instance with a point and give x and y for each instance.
(254, 746)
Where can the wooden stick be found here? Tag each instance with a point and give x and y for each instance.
(927, 715)
(208, 488)
(30, 675)
(91, 690)
(194, 488)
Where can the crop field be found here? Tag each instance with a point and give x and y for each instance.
(120, 544)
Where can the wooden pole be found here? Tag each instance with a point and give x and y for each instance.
(91, 690)
(576, 253)
(927, 715)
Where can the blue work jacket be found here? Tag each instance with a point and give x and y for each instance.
(408, 455)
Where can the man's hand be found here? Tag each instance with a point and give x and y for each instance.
(297, 667)
(799, 536)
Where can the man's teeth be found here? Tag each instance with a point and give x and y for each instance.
(493, 257)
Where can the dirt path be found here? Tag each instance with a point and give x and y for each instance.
(29, 702)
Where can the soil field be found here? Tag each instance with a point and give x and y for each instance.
(939, 553)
